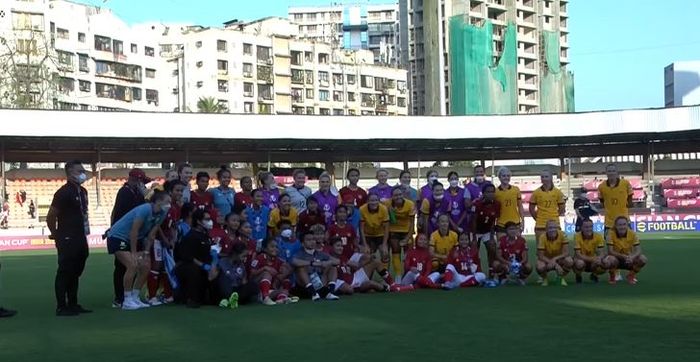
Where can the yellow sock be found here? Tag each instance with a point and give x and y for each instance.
(396, 264)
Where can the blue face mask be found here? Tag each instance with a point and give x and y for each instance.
(82, 178)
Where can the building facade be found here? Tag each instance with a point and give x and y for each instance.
(682, 84)
(487, 56)
(92, 59)
(353, 26)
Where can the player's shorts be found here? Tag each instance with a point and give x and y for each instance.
(623, 264)
(114, 245)
(483, 238)
(397, 236)
(157, 250)
(501, 229)
(589, 266)
(358, 278)
(374, 242)
(355, 258)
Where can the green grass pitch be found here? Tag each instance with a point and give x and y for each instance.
(656, 320)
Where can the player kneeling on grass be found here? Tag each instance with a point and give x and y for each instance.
(272, 274)
(232, 280)
(511, 257)
(624, 251)
(355, 273)
(589, 253)
(315, 271)
(418, 268)
(463, 265)
(553, 253)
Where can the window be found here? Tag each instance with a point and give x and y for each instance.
(152, 96)
(351, 79)
(222, 66)
(401, 101)
(150, 73)
(351, 96)
(136, 93)
(134, 48)
(224, 104)
(26, 46)
(323, 78)
(103, 43)
(338, 112)
(309, 110)
(83, 63)
(366, 81)
(297, 58)
(223, 86)
(198, 44)
(401, 86)
(367, 100)
(311, 29)
(221, 45)
(247, 89)
(337, 79)
(265, 73)
(81, 37)
(311, 16)
(248, 107)
(309, 77)
(248, 70)
(247, 49)
(323, 95)
(338, 96)
(200, 64)
(27, 21)
(84, 107)
(308, 57)
(323, 58)
(297, 110)
(66, 85)
(264, 108)
(297, 95)
(298, 17)
(118, 47)
(265, 91)
(351, 112)
(149, 51)
(264, 54)
(200, 84)
(309, 94)
(65, 58)
(297, 76)
(84, 86)
(324, 111)
(62, 33)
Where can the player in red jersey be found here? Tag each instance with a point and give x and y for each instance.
(225, 237)
(245, 233)
(512, 255)
(167, 236)
(202, 199)
(310, 217)
(272, 275)
(418, 268)
(345, 232)
(463, 265)
(486, 211)
(244, 198)
(354, 277)
(352, 191)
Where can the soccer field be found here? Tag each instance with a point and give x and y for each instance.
(656, 320)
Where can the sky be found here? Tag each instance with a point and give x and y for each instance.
(619, 48)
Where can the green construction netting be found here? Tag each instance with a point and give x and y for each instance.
(478, 85)
(556, 86)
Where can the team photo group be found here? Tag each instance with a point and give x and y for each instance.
(200, 245)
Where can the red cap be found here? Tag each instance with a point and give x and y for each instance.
(138, 174)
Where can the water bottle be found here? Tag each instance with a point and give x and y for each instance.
(316, 281)
(514, 266)
(258, 245)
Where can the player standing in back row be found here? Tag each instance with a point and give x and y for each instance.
(615, 196)
(510, 200)
(546, 204)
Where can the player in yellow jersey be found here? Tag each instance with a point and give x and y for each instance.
(589, 255)
(442, 241)
(553, 253)
(402, 218)
(615, 196)
(546, 203)
(510, 199)
(624, 251)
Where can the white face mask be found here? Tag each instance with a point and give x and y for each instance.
(438, 197)
(273, 186)
(432, 179)
(454, 183)
(209, 224)
(479, 179)
(286, 233)
(165, 207)
(82, 178)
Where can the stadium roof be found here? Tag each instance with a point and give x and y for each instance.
(53, 136)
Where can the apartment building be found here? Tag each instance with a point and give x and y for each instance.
(353, 26)
(260, 67)
(99, 63)
(526, 33)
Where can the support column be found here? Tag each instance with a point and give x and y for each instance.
(562, 168)
(493, 164)
(405, 165)
(2, 172)
(269, 162)
(98, 182)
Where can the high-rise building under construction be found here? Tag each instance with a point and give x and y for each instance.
(486, 56)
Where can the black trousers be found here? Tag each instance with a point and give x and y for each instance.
(118, 280)
(194, 283)
(247, 293)
(72, 255)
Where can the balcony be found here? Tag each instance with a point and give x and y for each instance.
(127, 72)
(265, 74)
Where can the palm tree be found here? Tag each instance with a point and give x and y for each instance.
(210, 105)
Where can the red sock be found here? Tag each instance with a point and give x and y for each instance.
(401, 288)
(449, 276)
(265, 286)
(167, 289)
(153, 283)
(386, 276)
(425, 282)
(287, 285)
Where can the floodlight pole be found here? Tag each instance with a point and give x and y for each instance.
(2, 172)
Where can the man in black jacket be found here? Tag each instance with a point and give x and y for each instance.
(129, 196)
